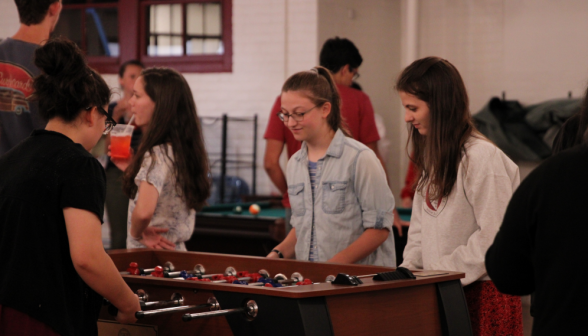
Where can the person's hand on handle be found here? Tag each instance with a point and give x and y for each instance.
(127, 316)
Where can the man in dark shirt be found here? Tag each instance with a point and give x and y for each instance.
(541, 246)
(19, 116)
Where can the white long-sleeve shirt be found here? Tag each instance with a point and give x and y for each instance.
(455, 233)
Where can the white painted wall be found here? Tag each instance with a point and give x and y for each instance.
(271, 40)
(533, 50)
(374, 27)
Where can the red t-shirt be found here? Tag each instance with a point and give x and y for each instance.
(409, 180)
(356, 109)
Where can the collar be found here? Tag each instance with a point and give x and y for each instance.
(335, 148)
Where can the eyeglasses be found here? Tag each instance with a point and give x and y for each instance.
(109, 123)
(356, 75)
(297, 116)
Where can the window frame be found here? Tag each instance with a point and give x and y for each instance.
(190, 63)
(103, 64)
(132, 34)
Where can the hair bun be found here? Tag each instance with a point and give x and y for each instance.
(60, 57)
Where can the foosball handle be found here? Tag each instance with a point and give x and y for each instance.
(113, 311)
(346, 279)
(401, 273)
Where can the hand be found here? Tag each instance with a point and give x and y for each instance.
(121, 164)
(127, 317)
(399, 223)
(152, 239)
(407, 202)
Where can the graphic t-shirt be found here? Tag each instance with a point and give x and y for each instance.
(18, 115)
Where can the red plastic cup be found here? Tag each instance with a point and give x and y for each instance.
(120, 141)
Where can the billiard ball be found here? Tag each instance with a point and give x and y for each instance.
(237, 210)
(254, 209)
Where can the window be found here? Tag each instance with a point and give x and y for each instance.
(93, 26)
(188, 35)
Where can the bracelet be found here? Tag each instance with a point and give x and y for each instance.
(279, 253)
(136, 239)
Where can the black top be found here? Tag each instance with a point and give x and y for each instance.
(40, 177)
(542, 246)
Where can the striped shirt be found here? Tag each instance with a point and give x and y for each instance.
(312, 171)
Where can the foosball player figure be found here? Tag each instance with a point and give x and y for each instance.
(134, 269)
(158, 273)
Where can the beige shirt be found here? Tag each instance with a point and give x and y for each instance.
(456, 232)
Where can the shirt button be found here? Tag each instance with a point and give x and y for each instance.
(332, 187)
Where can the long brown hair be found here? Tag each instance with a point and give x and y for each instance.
(174, 121)
(438, 154)
(318, 85)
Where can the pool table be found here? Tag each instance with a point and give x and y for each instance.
(219, 229)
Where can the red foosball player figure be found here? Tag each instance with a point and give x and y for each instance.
(158, 272)
(134, 269)
(304, 282)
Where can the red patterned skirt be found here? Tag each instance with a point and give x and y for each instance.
(491, 312)
(15, 323)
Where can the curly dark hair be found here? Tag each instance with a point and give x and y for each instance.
(66, 85)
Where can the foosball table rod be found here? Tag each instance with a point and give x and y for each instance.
(250, 310)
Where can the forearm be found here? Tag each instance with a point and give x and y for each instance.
(99, 272)
(365, 245)
(138, 224)
(287, 247)
(144, 208)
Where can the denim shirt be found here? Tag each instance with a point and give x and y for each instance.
(352, 195)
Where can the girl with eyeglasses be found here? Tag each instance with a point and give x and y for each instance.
(342, 207)
(167, 178)
(464, 185)
(54, 267)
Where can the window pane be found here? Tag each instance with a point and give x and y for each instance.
(165, 30)
(165, 19)
(213, 46)
(198, 46)
(194, 18)
(69, 25)
(165, 45)
(102, 32)
(195, 46)
(212, 19)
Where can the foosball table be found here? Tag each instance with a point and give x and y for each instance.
(191, 293)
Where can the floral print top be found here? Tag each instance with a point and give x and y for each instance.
(171, 211)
